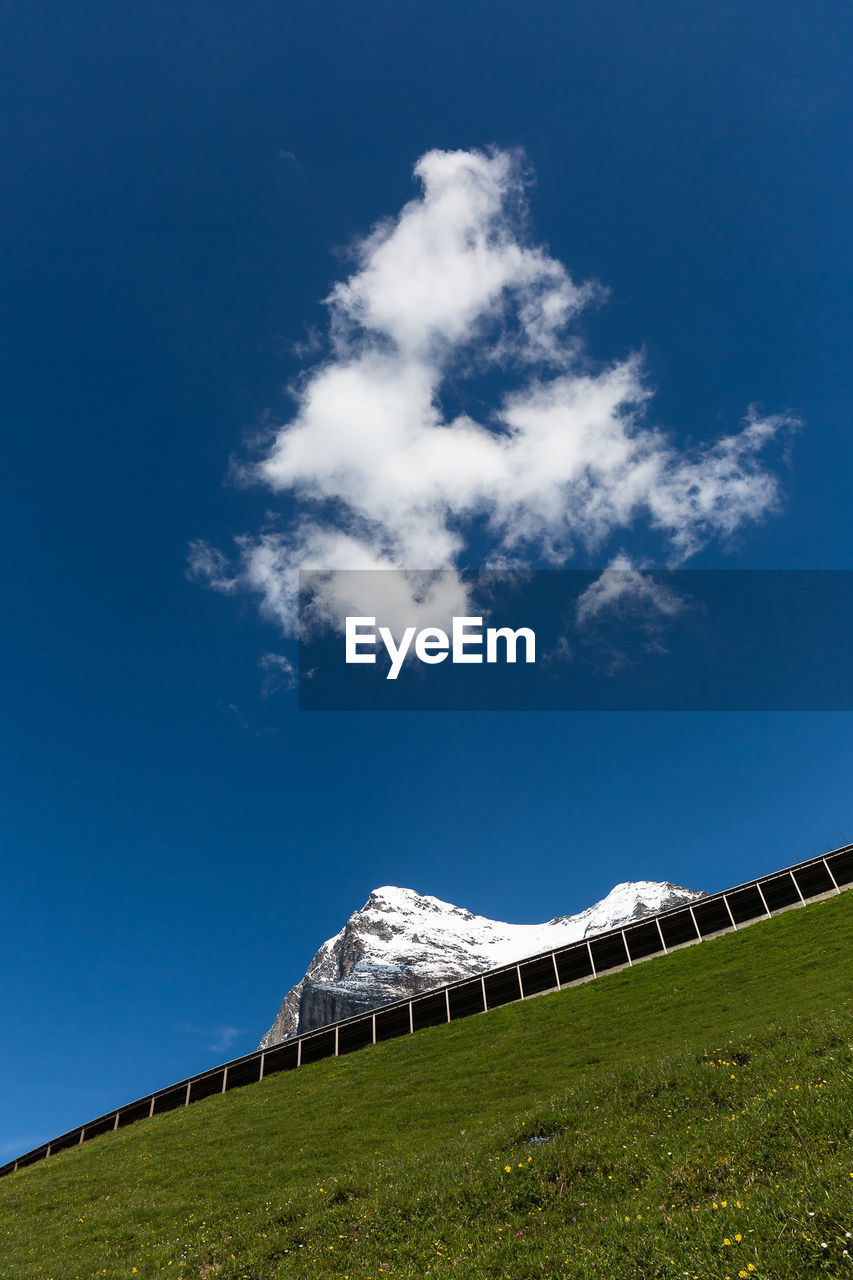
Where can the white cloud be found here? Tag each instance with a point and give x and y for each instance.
(621, 589)
(383, 476)
(219, 1039)
(279, 673)
(209, 565)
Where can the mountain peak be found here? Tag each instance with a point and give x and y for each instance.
(392, 898)
(402, 942)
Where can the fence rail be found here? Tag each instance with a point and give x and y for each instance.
(822, 876)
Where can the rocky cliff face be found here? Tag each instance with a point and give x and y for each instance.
(401, 943)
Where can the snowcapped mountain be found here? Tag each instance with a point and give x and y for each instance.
(401, 943)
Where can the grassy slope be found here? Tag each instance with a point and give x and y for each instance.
(700, 1105)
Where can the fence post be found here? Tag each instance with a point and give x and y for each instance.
(625, 944)
(261, 1072)
(483, 989)
(337, 1039)
(447, 1001)
(82, 1136)
(189, 1089)
(797, 887)
(831, 876)
(762, 897)
(411, 1020)
(660, 935)
(224, 1080)
(299, 1047)
(151, 1108)
(728, 908)
(556, 971)
(695, 925)
(591, 961)
(520, 983)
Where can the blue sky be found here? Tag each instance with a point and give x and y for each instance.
(184, 187)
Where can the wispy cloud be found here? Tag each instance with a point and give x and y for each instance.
(279, 673)
(17, 1146)
(218, 1039)
(633, 605)
(450, 294)
(620, 589)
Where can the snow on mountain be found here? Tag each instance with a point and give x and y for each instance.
(401, 943)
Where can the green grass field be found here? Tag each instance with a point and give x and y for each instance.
(692, 1116)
